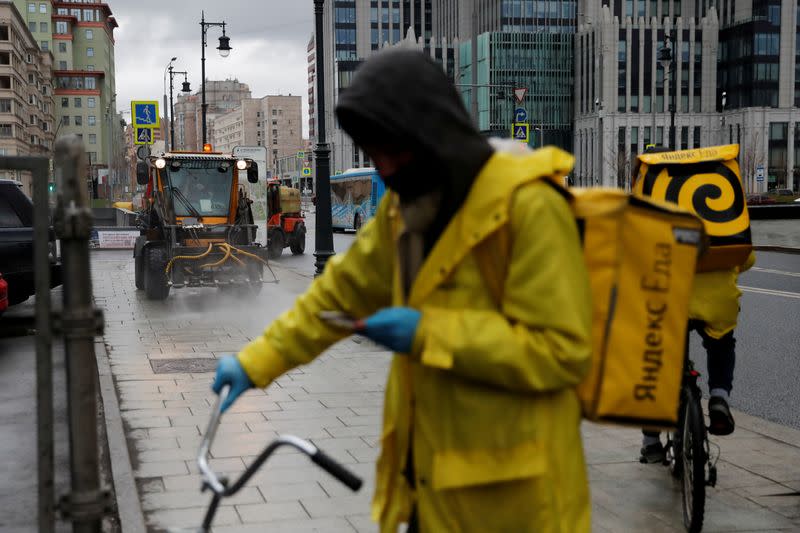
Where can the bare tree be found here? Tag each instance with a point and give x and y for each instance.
(622, 166)
(750, 156)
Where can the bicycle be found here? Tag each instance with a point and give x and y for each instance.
(688, 448)
(220, 487)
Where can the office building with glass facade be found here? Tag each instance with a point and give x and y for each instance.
(736, 72)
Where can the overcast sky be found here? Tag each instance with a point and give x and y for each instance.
(269, 40)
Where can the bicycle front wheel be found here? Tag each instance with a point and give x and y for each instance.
(693, 459)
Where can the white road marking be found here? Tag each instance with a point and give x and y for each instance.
(780, 272)
(770, 292)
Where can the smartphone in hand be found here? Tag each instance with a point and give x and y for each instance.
(341, 320)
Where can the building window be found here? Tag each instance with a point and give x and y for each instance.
(61, 28)
(274, 133)
(31, 7)
(88, 15)
(65, 102)
(91, 102)
(62, 65)
(78, 102)
(696, 134)
(32, 27)
(90, 52)
(45, 46)
(89, 35)
(65, 120)
(62, 48)
(91, 120)
(5, 105)
(91, 83)
(274, 141)
(4, 33)
(6, 130)
(5, 82)
(684, 137)
(92, 138)
(44, 27)
(5, 58)
(78, 120)
(43, 9)
(90, 68)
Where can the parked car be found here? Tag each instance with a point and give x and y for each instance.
(760, 199)
(3, 295)
(782, 192)
(16, 244)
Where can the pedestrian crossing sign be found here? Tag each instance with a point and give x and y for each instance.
(145, 113)
(521, 131)
(142, 135)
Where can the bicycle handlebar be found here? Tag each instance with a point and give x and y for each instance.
(220, 488)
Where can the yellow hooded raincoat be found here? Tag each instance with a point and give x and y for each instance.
(486, 401)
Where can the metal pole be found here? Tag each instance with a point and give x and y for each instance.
(203, 74)
(474, 60)
(80, 323)
(323, 240)
(44, 359)
(171, 112)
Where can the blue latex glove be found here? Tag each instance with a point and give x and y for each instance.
(393, 327)
(231, 373)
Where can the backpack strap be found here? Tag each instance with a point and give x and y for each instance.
(493, 255)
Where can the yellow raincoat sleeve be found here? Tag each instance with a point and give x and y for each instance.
(541, 340)
(357, 283)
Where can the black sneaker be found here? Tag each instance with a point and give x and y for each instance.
(653, 453)
(720, 415)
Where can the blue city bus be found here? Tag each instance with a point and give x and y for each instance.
(355, 195)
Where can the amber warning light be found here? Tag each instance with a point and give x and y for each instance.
(207, 147)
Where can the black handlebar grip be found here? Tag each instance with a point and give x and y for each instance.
(336, 470)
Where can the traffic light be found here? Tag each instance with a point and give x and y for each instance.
(51, 187)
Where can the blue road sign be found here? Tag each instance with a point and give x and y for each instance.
(143, 135)
(145, 113)
(521, 132)
(520, 114)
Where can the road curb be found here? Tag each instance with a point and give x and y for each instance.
(772, 430)
(771, 248)
(129, 508)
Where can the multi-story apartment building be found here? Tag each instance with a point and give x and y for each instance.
(222, 97)
(274, 121)
(736, 79)
(26, 92)
(85, 84)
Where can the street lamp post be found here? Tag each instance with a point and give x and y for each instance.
(667, 59)
(166, 105)
(185, 89)
(323, 240)
(224, 51)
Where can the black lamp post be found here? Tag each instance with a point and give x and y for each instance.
(667, 59)
(186, 89)
(322, 154)
(224, 51)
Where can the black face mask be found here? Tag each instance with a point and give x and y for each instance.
(413, 180)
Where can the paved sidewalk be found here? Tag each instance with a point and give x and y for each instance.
(336, 402)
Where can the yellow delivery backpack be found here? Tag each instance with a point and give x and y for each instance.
(707, 182)
(641, 257)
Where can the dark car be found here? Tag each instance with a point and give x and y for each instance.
(760, 199)
(16, 244)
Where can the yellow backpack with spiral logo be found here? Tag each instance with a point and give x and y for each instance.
(706, 182)
(641, 257)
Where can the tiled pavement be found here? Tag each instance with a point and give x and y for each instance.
(336, 402)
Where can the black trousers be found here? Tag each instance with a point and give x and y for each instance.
(413, 522)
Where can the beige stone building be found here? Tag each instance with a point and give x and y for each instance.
(273, 121)
(222, 97)
(26, 93)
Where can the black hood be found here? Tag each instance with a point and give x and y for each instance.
(402, 98)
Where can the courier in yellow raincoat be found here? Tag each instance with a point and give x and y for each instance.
(714, 310)
(481, 419)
